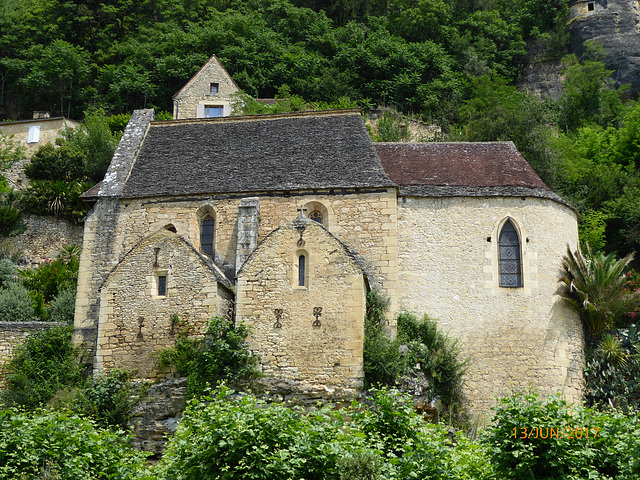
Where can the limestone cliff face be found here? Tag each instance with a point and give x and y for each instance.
(615, 24)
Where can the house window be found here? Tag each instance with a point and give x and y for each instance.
(162, 285)
(34, 134)
(509, 261)
(316, 216)
(591, 6)
(302, 267)
(213, 111)
(206, 234)
(213, 88)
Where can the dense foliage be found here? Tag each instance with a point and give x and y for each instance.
(65, 55)
(221, 355)
(420, 351)
(44, 364)
(62, 446)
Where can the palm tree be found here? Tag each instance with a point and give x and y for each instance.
(595, 287)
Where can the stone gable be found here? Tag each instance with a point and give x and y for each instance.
(307, 321)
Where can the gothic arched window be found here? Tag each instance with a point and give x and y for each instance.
(206, 234)
(509, 261)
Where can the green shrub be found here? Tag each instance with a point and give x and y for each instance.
(55, 163)
(222, 354)
(220, 438)
(46, 362)
(612, 371)
(383, 363)
(57, 445)
(437, 355)
(62, 307)
(533, 438)
(52, 277)
(8, 272)
(418, 342)
(16, 304)
(9, 216)
(109, 398)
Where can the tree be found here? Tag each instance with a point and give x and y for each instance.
(59, 70)
(594, 286)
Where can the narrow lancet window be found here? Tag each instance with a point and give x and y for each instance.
(302, 260)
(510, 263)
(206, 235)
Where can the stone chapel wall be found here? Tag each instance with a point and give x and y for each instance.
(138, 318)
(308, 336)
(448, 269)
(366, 222)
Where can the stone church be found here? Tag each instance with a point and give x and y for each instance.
(286, 221)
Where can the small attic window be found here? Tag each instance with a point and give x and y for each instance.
(591, 6)
(213, 88)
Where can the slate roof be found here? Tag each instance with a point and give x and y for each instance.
(312, 150)
(461, 169)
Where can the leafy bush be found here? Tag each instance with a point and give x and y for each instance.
(250, 439)
(46, 362)
(222, 354)
(58, 445)
(437, 356)
(15, 304)
(612, 371)
(55, 163)
(109, 398)
(545, 451)
(52, 277)
(62, 307)
(419, 346)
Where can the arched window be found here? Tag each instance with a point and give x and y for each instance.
(302, 266)
(509, 261)
(316, 216)
(206, 234)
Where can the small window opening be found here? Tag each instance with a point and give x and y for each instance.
(316, 216)
(162, 285)
(213, 111)
(302, 260)
(206, 235)
(213, 88)
(591, 6)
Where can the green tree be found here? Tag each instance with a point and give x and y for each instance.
(59, 70)
(589, 94)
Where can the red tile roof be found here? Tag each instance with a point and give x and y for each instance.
(460, 164)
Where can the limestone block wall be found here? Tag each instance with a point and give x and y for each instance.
(365, 222)
(189, 102)
(448, 268)
(139, 317)
(13, 334)
(281, 312)
(44, 238)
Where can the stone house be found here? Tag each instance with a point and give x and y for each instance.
(32, 134)
(208, 94)
(286, 221)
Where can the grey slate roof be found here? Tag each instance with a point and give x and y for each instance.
(318, 150)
